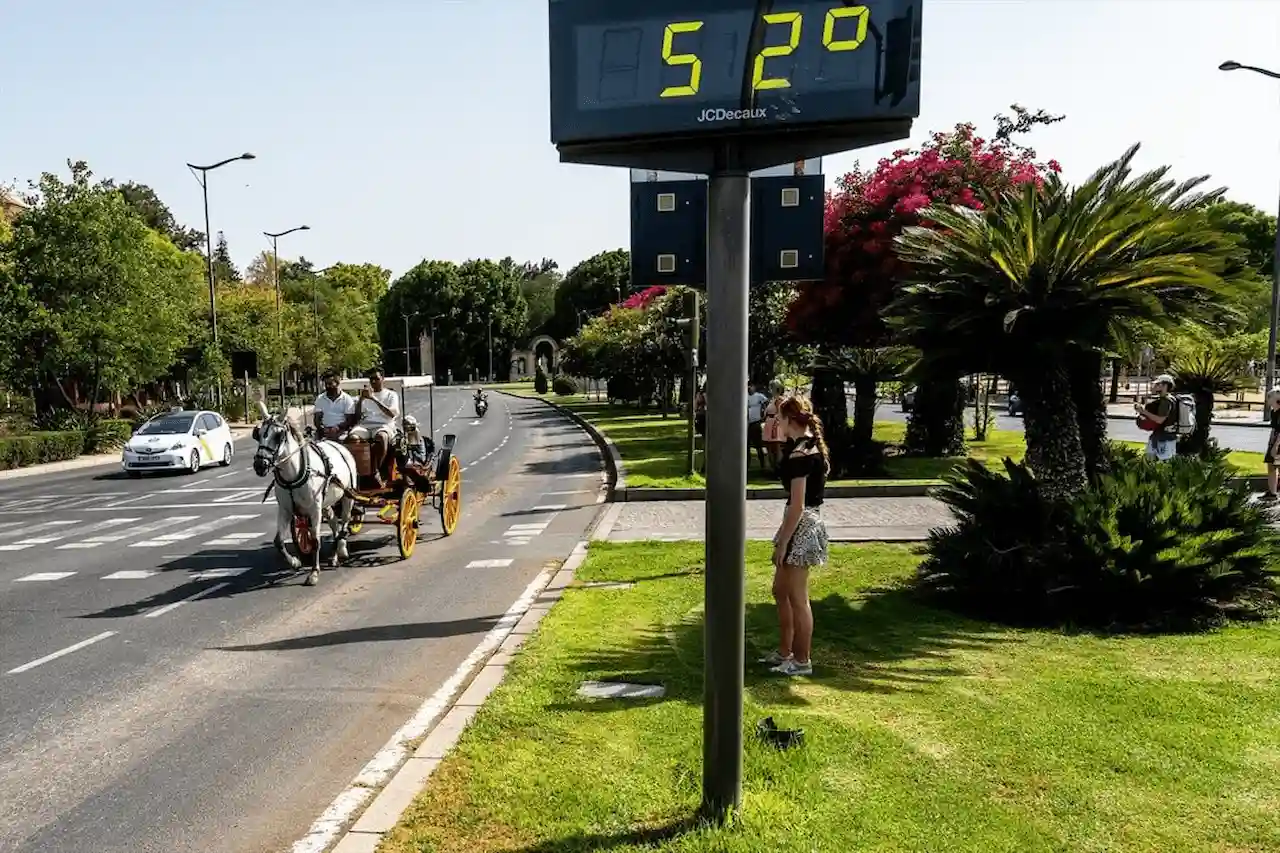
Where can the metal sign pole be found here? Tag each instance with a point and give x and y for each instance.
(728, 246)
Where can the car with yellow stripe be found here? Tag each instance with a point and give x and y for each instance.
(178, 440)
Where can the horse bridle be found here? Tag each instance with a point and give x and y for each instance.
(273, 460)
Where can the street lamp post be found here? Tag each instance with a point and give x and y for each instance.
(1231, 65)
(275, 264)
(407, 345)
(490, 377)
(315, 318)
(203, 178)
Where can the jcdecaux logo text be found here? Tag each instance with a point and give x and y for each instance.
(729, 115)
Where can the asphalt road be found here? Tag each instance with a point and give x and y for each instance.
(159, 694)
(1228, 436)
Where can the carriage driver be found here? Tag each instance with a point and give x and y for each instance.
(335, 409)
(376, 412)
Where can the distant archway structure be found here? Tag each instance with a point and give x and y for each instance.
(524, 362)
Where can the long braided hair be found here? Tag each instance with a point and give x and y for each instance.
(800, 410)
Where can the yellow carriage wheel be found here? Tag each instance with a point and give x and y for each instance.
(451, 498)
(407, 523)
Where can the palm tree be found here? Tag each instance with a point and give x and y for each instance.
(1047, 275)
(1202, 375)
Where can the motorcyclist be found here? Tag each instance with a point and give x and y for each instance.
(481, 400)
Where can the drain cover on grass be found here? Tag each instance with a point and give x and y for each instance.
(620, 690)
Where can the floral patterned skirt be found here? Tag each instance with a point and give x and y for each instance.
(808, 545)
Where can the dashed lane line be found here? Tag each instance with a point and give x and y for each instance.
(192, 532)
(32, 541)
(174, 605)
(151, 527)
(74, 647)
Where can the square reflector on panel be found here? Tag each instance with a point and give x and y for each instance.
(790, 196)
(666, 263)
(789, 259)
(666, 202)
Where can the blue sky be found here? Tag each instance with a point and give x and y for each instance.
(404, 129)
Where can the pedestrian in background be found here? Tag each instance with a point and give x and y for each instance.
(771, 432)
(800, 544)
(1273, 444)
(756, 401)
(1160, 417)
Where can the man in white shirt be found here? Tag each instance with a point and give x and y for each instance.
(376, 411)
(756, 402)
(335, 409)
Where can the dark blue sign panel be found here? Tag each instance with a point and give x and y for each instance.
(669, 231)
(786, 228)
(627, 70)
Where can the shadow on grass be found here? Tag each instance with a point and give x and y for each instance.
(642, 837)
(883, 641)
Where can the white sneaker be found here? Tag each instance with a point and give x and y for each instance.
(792, 667)
(772, 659)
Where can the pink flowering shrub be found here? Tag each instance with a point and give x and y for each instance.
(869, 209)
(644, 297)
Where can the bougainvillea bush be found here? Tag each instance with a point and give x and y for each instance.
(867, 211)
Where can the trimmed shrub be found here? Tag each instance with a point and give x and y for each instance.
(37, 448)
(1150, 546)
(540, 381)
(107, 434)
(564, 386)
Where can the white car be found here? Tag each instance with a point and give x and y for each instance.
(178, 441)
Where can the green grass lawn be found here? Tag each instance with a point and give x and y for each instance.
(925, 732)
(654, 450)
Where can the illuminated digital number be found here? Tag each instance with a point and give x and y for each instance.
(829, 40)
(690, 59)
(758, 80)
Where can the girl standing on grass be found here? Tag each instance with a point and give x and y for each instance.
(801, 541)
(1273, 444)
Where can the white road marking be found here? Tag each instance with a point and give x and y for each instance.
(549, 508)
(238, 496)
(237, 538)
(225, 476)
(129, 575)
(115, 504)
(212, 574)
(75, 647)
(571, 492)
(183, 506)
(329, 826)
(191, 532)
(151, 527)
(489, 564)
(537, 527)
(160, 611)
(32, 528)
(210, 489)
(24, 544)
(44, 576)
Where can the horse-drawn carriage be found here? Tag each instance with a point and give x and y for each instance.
(347, 485)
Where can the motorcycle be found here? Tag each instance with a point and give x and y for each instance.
(482, 406)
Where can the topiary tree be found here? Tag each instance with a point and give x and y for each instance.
(540, 380)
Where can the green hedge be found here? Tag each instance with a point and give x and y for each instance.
(37, 448)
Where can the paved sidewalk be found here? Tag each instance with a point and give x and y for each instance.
(847, 519)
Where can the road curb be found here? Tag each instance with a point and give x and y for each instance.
(434, 730)
(1231, 422)
(612, 458)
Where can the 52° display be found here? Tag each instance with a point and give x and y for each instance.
(633, 69)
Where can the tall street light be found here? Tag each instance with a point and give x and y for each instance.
(407, 346)
(202, 175)
(315, 317)
(275, 264)
(490, 377)
(1231, 65)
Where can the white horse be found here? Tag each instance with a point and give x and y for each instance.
(310, 477)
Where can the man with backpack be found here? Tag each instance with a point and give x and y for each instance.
(1167, 417)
